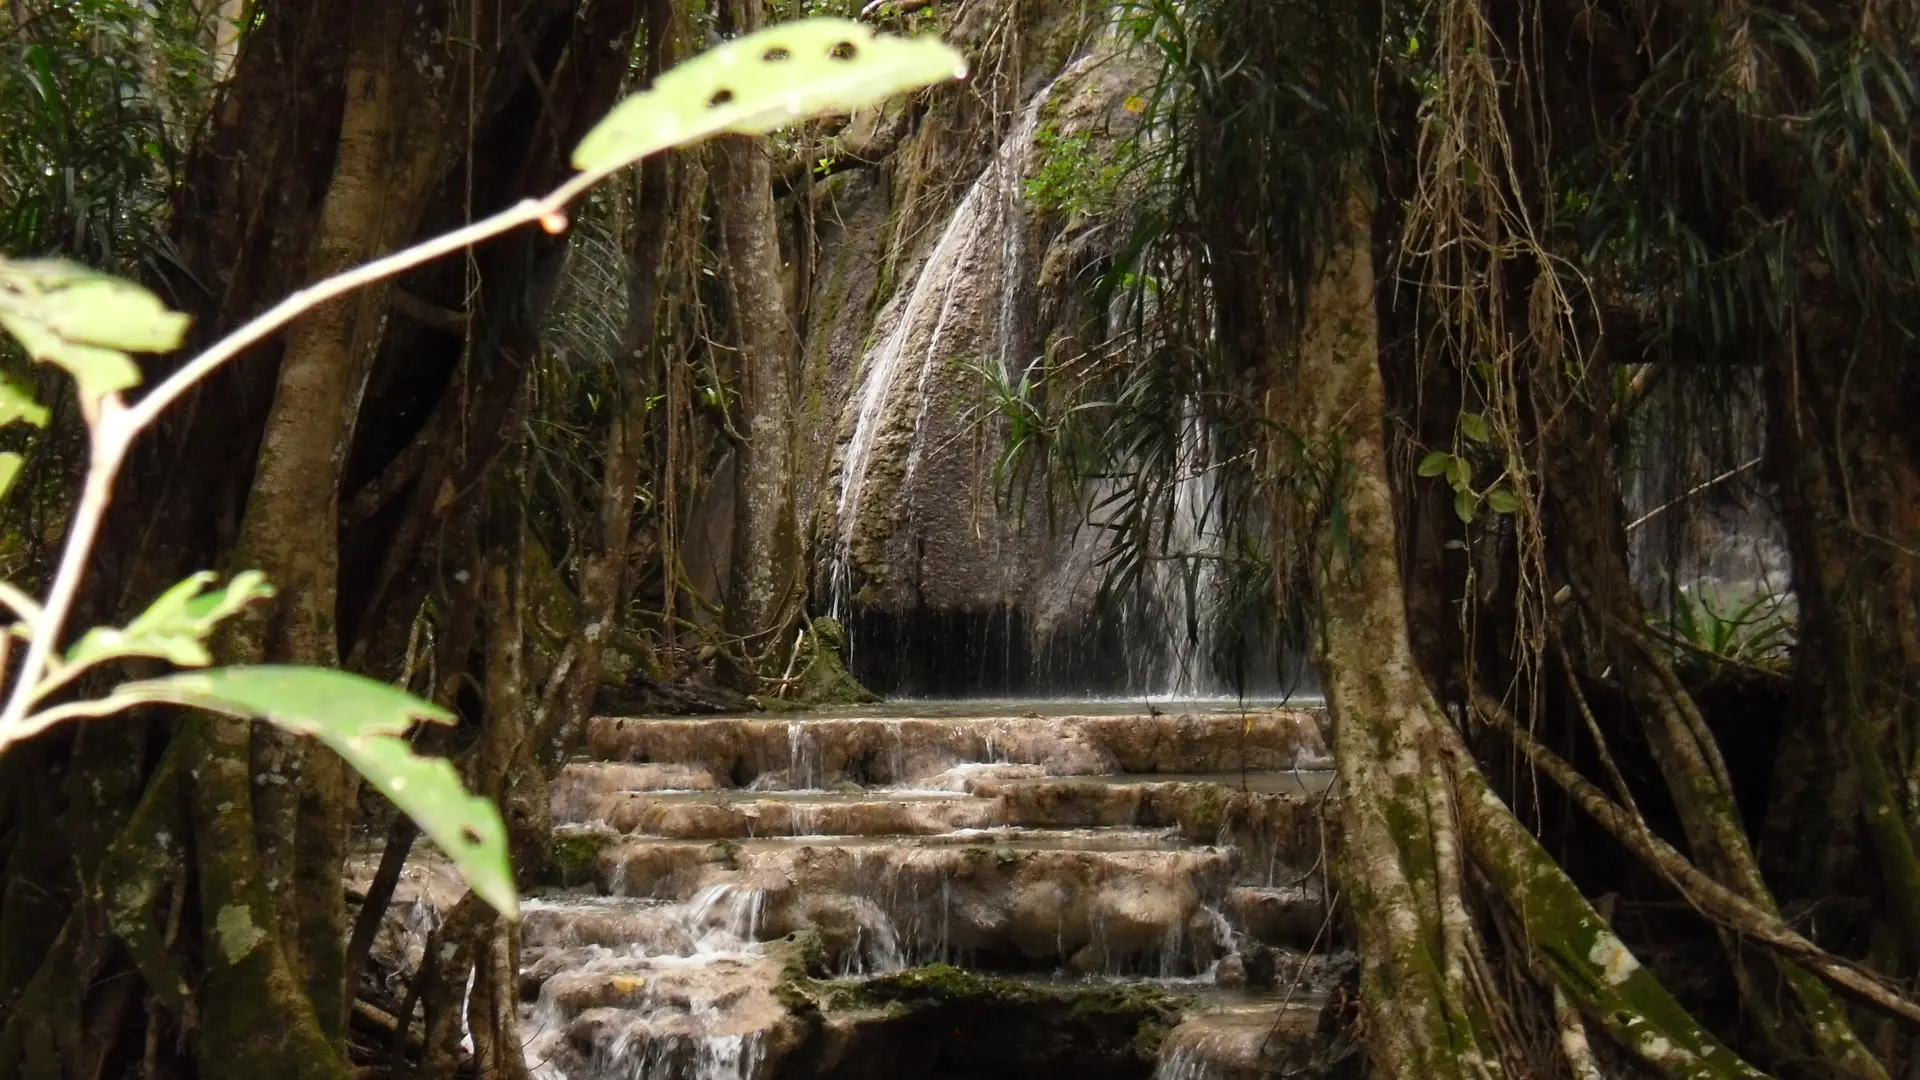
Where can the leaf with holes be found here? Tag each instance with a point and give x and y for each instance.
(766, 80)
(1435, 464)
(175, 627)
(362, 720)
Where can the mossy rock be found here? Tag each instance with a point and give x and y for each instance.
(576, 855)
(824, 678)
(973, 1024)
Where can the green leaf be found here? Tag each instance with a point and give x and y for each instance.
(766, 80)
(92, 308)
(17, 404)
(1474, 426)
(1459, 474)
(1503, 501)
(1435, 463)
(97, 372)
(175, 627)
(10, 463)
(362, 720)
(1464, 504)
(85, 321)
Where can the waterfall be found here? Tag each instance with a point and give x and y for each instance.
(990, 207)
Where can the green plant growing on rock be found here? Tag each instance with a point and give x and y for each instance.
(88, 324)
(1077, 177)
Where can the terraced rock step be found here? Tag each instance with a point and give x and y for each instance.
(1200, 805)
(1250, 1040)
(747, 898)
(817, 753)
(1089, 900)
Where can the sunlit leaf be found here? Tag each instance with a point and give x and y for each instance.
(17, 404)
(362, 720)
(97, 371)
(1435, 463)
(1503, 501)
(87, 307)
(175, 627)
(10, 463)
(769, 79)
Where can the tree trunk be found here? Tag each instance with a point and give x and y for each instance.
(1844, 454)
(1414, 809)
(1589, 535)
(603, 567)
(763, 597)
(1399, 861)
(392, 152)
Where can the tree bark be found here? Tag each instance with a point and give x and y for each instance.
(1414, 808)
(603, 567)
(764, 595)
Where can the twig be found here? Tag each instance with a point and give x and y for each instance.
(1690, 493)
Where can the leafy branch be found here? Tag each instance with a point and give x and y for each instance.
(88, 324)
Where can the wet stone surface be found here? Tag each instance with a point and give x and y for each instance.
(939, 896)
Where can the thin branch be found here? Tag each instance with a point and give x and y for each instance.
(1690, 493)
(117, 424)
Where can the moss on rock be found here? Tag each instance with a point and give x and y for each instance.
(824, 678)
(576, 855)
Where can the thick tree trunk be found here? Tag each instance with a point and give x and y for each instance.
(1400, 853)
(764, 595)
(392, 152)
(1844, 454)
(1414, 808)
(1590, 537)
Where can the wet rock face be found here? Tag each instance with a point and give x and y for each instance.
(720, 868)
(879, 905)
(818, 753)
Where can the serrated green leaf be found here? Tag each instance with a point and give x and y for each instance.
(766, 80)
(1434, 464)
(174, 628)
(1503, 501)
(17, 404)
(1464, 505)
(1474, 426)
(362, 720)
(10, 463)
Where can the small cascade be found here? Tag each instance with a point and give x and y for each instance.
(729, 915)
(1051, 849)
(682, 1057)
(803, 758)
(982, 237)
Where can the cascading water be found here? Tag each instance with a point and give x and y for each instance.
(991, 208)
